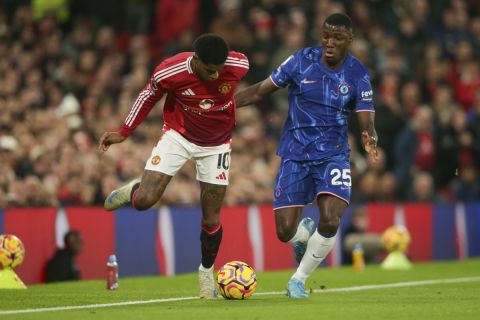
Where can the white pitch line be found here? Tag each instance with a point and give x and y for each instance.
(347, 289)
(94, 306)
(384, 286)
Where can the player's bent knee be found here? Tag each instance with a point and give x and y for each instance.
(284, 235)
(141, 206)
(143, 202)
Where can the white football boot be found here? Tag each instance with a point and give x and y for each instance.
(119, 197)
(207, 283)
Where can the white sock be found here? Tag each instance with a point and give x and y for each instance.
(202, 268)
(317, 249)
(301, 235)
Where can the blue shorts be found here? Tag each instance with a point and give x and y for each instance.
(299, 182)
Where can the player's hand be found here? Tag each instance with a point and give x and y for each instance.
(109, 138)
(370, 145)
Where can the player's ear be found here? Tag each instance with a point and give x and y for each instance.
(350, 37)
(197, 59)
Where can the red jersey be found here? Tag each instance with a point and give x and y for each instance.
(202, 111)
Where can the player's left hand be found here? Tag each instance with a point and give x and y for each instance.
(109, 138)
(370, 145)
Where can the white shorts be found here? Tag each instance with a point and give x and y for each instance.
(173, 150)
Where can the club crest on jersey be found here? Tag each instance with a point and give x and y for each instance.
(344, 89)
(224, 88)
(206, 104)
(278, 192)
(155, 160)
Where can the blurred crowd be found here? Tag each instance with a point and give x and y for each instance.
(70, 71)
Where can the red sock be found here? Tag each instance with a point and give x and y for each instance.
(211, 230)
(134, 195)
(210, 238)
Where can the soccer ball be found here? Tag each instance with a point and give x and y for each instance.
(396, 238)
(12, 251)
(236, 280)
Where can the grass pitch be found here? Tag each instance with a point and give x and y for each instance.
(441, 290)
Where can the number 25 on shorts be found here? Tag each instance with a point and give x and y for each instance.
(341, 177)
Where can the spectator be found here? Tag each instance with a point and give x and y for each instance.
(422, 189)
(414, 148)
(467, 186)
(230, 25)
(63, 265)
(387, 188)
(61, 81)
(357, 232)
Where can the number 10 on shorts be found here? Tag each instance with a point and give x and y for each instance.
(223, 161)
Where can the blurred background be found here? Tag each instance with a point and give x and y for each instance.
(70, 70)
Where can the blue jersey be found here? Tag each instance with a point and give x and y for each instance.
(320, 101)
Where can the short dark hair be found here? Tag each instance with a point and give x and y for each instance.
(211, 48)
(339, 20)
(70, 234)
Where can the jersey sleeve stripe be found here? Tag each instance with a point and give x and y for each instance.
(189, 67)
(177, 65)
(239, 59)
(159, 76)
(244, 62)
(140, 97)
(237, 65)
(170, 69)
(365, 110)
(136, 107)
(165, 76)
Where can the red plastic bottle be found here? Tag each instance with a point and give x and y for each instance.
(112, 273)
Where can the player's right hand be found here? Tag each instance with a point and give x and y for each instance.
(370, 145)
(109, 138)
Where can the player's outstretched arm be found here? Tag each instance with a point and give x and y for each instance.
(254, 93)
(369, 135)
(109, 138)
(141, 107)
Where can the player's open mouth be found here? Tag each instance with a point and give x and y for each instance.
(329, 54)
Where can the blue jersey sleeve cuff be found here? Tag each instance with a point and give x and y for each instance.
(360, 107)
(276, 84)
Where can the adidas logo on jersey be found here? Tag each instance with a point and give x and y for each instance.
(221, 176)
(188, 92)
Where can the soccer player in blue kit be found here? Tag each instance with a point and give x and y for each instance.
(324, 85)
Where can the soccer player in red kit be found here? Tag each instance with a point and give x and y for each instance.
(199, 117)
